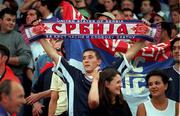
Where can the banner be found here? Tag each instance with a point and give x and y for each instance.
(147, 59)
(96, 29)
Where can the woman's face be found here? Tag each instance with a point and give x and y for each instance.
(115, 85)
(156, 86)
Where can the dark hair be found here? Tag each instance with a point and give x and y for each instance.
(5, 87)
(51, 4)
(107, 75)
(13, 4)
(166, 26)
(93, 50)
(160, 73)
(175, 8)
(127, 9)
(37, 13)
(4, 51)
(173, 42)
(7, 11)
(155, 4)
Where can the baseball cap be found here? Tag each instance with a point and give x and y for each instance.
(107, 14)
(161, 14)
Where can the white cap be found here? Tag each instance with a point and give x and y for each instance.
(107, 14)
(161, 14)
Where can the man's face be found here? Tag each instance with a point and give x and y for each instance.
(176, 51)
(90, 61)
(157, 19)
(7, 23)
(16, 98)
(127, 4)
(3, 59)
(109, 4)
(118, 15)
(146, 7)
(175, 17)
(31, 16)
(128, 15)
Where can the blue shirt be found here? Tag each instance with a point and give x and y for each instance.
(173, 87)
(79, 86)
(3, 111)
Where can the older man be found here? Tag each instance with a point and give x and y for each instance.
(11, 97)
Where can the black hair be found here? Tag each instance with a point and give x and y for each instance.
(127, 9)
(51, 4)
(4, 51)
(155, 4)
(93, 50)
(166, 26)
(160, 73)
(7, 11)
(13, 4)
(173, 42)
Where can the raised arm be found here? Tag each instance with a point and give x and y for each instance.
(26, 5)
(51, 52)
(93, 97)
(134, 49)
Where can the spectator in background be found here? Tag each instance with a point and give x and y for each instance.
(159, 104)
(105, 96)
(46, 9)
(20, 53)
(148, 7)
(159, 17)
(83, 9)
(10, 4)
(165, 33)
(118, 14)
(5, 72)
(130, 5)
(174, 71)
(11, 97)
(110, 5)
(58, 104)
(128, 14)
(105, 16)
(175, 14)
(95, 6)
(31, 17)
(41, 88)
(174, 30)
(173, 2)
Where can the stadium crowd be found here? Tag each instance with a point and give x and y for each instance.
(36, 78)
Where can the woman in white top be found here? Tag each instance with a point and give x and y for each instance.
(159, 104)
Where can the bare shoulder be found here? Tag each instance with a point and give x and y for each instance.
(141, 110)
(177, 108)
